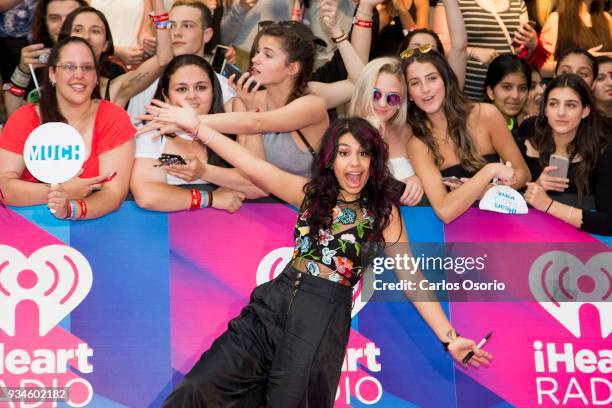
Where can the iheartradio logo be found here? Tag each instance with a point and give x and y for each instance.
(568, 283)
(275, 261)
(56, 277)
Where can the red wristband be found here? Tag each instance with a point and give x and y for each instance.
(14, 89)
(158, 18)
(83, 206)
(360, 22)
(196, 199)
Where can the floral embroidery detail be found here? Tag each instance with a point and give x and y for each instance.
(327, 255)
(303, 244)
(347, 216)
(348, 237)
(325, 237)
(344, 266)
(313, 268)
(334, 277)
(304, 230)
(367, 215)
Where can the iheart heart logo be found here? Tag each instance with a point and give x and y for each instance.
(56, 277)
(565, 283)
(275, 261)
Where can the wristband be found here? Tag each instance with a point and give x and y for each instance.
(163, 25)
(83, 206)
(14, 89)
(549, 205)
(341, 38)
(20, 78)
(363, 23)
(204, 200)
(212, 134)
(210, 200)
(68, 210)
(159, 17)
(196, 199)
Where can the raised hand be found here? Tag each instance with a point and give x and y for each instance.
(164, 118)
(526, 35)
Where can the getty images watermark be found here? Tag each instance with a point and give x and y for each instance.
(545, 272)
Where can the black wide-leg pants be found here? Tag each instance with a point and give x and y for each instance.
(284, 350)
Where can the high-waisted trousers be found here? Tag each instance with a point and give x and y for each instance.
(284, 350)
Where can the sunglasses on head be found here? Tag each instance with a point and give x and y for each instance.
(409, 52)
(268, 23)
(393, 98)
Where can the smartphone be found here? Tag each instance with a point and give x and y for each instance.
(562, 164)
(533, 23)
(452, 180)
(167, 159)
(218, 59)
(230, 69)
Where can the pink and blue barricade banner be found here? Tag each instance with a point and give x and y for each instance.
(113, 312)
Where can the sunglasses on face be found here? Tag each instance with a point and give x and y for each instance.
(393, 98)
(409, 52)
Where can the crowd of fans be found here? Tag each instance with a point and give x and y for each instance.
(465, 93)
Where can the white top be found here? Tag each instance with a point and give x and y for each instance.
(139, 102)
(152, 149)
(124, 18)
(400, 167)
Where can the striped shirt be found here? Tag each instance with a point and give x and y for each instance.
(483, 31)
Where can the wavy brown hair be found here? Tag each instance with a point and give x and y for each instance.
(456, 109)
(572, 31)
(297, 49)
(590, 139)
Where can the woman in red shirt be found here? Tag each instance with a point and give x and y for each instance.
(70, 95)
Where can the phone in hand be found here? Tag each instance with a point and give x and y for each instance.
(167, 159)
(230, 69)
(562, 164)
(218, 60)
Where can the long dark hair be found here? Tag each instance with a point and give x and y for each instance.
(380, 193)
(572, 31)
(456, 109)
(217, 105)
(49, 110)
(297, 49)
(104, 63)
(40, 32)
(502, 66)
(590, 139)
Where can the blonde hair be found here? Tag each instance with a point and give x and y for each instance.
(543, 8)
(362, 104)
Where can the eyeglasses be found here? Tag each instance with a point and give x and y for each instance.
(267, 23)
(409, 52)
(393, 98)
(72, 68)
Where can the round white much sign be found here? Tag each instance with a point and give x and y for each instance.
(54, 152)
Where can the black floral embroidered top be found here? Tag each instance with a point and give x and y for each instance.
(343, 251)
